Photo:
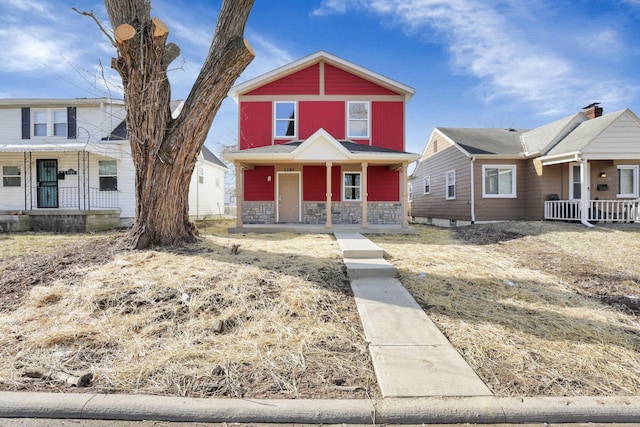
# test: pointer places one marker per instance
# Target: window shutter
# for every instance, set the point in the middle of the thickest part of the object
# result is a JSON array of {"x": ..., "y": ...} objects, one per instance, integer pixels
[
  {"x": 26, "y": 123},
  {"x": 71, "y": 122}
]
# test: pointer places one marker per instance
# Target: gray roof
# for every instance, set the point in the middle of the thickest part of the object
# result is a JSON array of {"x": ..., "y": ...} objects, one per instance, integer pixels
[
  {"x": 212, "y": 158},
  {"x": 586, "y": 132},
  {"x": 540, "y": 139},
  {"x": 290, "y": 146},
  {"x": 486, "y": 141}
]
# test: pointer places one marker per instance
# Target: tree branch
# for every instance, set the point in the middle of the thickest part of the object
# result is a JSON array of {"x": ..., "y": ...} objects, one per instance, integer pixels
[{"x": 97, "y": 21}]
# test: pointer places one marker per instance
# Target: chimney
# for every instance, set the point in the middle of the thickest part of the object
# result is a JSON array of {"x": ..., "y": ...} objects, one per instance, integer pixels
[{"x": 592, "y": 110}]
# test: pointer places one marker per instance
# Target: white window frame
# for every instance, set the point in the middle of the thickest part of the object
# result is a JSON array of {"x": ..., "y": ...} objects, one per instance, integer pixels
[
  {"x": 514, "y": 186},
  {"x": 450, "y": 180},
  {"x": 344, "y": 186},
  {"x": 5, "y": 175},
  {"x": 426, "y": 185},
  {"x": 100, "y": 175},
  {"x": 49, "y": 122},
  {"x": 410, "y": 190},
  {"x": 217, "y": 183},
  {"x": 200, "y": 175},
  {"x": 368, "y": 120},
  {"x": 572, "y": 195},
  {"x": 276, "y": 120},
  {"x": 634, "y": 169}
]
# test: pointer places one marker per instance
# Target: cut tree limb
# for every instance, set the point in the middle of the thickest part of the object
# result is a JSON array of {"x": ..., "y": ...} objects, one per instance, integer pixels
[{"x": 82, "y": 380}]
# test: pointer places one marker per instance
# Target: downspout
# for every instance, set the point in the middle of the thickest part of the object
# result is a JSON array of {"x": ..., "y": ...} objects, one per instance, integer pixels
[
  {"x": 473, "y": 193},
  {"x": 585, "y": 195}
]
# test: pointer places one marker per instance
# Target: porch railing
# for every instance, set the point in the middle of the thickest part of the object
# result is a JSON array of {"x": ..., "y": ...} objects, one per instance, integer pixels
[
  {"x": 599, "y": 210},
  {"x": 73, "y": 198}
]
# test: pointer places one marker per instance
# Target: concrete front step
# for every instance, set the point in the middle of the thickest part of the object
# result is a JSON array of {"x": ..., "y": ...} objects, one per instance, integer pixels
[
  {"x": 361, "y": 268},
  {"x": 355, "y": 245}
]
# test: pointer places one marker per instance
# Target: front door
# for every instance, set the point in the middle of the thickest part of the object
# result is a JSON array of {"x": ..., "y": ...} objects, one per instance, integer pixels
[
  {"x": 289, "y": 197},
  {"x": 47, "y": 176}
]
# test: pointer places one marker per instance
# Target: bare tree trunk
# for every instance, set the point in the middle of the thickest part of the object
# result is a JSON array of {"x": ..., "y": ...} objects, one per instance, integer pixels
[{"x": 164, "y": 150}]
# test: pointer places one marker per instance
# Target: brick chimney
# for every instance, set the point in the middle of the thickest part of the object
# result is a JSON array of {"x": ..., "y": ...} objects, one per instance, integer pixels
[{"x": 592, "y": 110}]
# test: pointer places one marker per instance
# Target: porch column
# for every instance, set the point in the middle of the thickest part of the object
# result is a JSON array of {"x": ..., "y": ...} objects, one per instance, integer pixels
[
  {"x": 329, "y": 194},
  {"x": 404, "y": 195},
  {"x": 364, "y": 195},
  {"x": 585, "y": 194},
  {"x": 239, "y": 193}
]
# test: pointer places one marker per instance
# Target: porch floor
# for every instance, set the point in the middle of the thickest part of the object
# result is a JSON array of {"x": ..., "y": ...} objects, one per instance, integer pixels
[{"x": 321, "y": 229}]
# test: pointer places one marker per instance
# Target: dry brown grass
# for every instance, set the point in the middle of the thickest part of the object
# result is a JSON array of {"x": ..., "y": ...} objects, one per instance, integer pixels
[
  {"x": 535, "y": 308},
  {"x": 275, "y": 320}
]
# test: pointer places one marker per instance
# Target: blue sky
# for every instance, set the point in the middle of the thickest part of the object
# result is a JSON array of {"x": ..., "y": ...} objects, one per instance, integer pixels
[{"x": 473, "y": 63}]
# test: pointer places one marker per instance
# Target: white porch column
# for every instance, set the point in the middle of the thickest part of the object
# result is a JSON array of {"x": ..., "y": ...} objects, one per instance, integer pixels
[
  {"x": 364, "y": 195},
  {"x": 329, "y": 195},
  {"x": 585, "y": 193},
  {"x": 404, "y": 195},
  {"x": 239, "y": 193}
]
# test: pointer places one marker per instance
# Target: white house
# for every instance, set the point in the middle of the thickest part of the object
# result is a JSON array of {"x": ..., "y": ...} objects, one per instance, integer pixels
[{"x": 66, "y": 166}]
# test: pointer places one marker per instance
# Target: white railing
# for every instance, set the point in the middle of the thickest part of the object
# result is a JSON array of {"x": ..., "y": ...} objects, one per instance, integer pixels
[
  {"x": 70, "y": 198},
  {"x": 599, "y": 210}
]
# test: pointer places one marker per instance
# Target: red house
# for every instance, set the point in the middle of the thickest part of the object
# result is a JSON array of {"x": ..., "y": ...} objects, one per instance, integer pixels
[{"x": 321, "y": 141}]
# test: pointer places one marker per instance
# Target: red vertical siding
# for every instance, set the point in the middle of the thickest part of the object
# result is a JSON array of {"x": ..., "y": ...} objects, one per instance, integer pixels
[
  {"x": 387, "y": 121},
  {"x": 336, "y": 183},
  {"x": 383, "y": 184},
  {"x": 255, "y": 124},
  {"x": 257, "y": 187},
  {"x": 329, "y": 115},
  {"x": 303, "y": 82},
  {"x": 340, "y": 82},
  {"x": 314, "y": 187}
]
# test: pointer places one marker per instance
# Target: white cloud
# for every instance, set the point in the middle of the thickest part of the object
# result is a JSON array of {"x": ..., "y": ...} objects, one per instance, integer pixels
[
  {"x": 490, "y": 41},
  {"x": 31, "y": 6},
  {"x": 33, "y": 48}
]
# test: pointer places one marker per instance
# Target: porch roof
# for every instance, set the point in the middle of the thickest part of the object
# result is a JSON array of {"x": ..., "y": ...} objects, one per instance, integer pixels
[
  {"x": 320, "y": 147},
  {"x": 103, "y": 149}
]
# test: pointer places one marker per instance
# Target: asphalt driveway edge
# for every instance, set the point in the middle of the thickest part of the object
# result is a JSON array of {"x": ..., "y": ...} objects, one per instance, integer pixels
[{"x": 446, "y": 410}]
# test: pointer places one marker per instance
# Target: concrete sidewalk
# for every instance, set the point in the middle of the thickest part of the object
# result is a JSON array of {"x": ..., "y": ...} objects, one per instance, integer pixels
[{"x": 411, "y": 357}]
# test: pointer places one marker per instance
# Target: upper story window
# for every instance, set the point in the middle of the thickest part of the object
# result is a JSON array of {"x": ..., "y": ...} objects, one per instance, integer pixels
[
  {"x": 499, "y": 181},
  {"x": 50, "y": 122},
  {"x": 451, "y": 185},
  {"x": 358, "y": 119},
  {"x": 627, "y": 181},
  {"x": 200, "y": 175},
  {"x": 11, "y": 176},
  {"x": 285, "y": 119},
  {"x": 427, "y": 184}
]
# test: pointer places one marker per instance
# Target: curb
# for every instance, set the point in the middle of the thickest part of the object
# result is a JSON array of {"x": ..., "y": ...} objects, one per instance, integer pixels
[{"x": 446, "y": 410}]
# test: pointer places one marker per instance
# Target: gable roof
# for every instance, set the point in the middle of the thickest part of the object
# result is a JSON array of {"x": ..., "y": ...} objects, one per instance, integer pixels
[
  {"x": 208, "y": 156},
  {"x": 319, "y": 56},
  {"x": 584, "y": 134},
  {"x": 485, "y": 141},
  {"x": 542, "y": 138}
]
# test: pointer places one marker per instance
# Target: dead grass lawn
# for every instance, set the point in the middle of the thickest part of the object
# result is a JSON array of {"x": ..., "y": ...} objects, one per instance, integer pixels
[{"x": 537, "y": 309}]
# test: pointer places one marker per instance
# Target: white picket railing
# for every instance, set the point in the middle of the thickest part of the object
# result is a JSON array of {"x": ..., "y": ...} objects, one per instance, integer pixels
[{"x": 599, "y": 210}]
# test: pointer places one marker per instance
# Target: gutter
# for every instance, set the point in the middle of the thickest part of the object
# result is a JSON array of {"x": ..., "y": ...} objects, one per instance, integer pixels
[{"x": 473, "y": 193}]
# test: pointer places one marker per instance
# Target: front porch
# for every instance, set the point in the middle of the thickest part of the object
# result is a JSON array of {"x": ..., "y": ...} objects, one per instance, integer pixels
[{"x": 618, "y": 211}]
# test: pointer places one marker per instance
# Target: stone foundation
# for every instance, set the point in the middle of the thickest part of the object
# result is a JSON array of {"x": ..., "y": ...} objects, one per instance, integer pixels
[
  {"x": 61, "y": 221},
  {"x": 258, "y": 213},
  {"x": 384, "y": 213}
]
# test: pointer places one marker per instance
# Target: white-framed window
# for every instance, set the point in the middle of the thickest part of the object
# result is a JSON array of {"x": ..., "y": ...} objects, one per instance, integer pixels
[
  {"x": 200, "y": 175},
  {"x": 108, "y": 175},
  {"x": 627, "y": 181},
  {"x": 499, "y": 181},
  {"x": 285, "y": 119},
  {"x": 427, "y": 184},
  {"x": 40, "y": 123},
  {"x": 11, "y": 176},
  {"x": 60, "y": 122},
  {"x": 575, "y": 181},
  {"x": 351, "y": 186},
  {"x": 217, "y": 183},
  {"x": 410, "y": 190},
  {"x": 358, "y": 123},
  {"x": 49, "y": 122},
  {"x": 450, "y": 182}
]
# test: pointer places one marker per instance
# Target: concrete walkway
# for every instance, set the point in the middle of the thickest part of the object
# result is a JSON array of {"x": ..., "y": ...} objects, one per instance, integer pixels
[{"x": 411, "y": 357}]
